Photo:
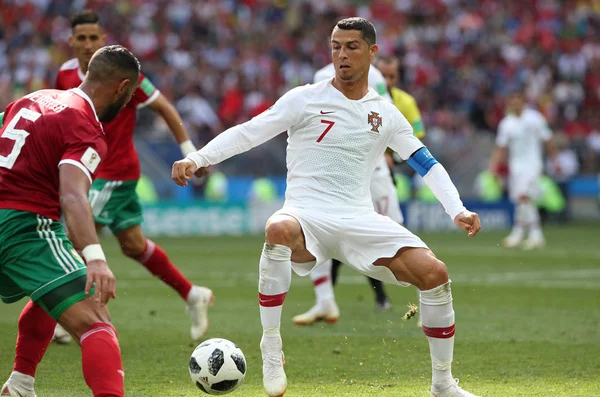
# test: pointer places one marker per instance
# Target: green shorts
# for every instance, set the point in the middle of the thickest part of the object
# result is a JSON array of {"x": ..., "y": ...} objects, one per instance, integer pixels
[
  {"x": 115, "y": 204},
  {"x": 37, "y": 260}
]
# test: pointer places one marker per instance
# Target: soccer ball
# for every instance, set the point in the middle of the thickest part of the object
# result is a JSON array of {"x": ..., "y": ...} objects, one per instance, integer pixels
[{"x": 217, "y": 366}]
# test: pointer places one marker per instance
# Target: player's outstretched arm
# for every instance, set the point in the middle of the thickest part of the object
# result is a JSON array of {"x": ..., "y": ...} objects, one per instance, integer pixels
[
  {"x": 167, "y": 111},
  {"x": 243, "y": 137},
  {"x": 74, "y": 187},
  {"x": 438, "y": 180}
]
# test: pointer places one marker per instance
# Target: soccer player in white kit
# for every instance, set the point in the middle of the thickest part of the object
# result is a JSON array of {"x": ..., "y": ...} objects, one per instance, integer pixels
[
  {"x": 385, "y": 202},
  {"x": 522, "y": 133},
  {"x": 337, "y": 132}
]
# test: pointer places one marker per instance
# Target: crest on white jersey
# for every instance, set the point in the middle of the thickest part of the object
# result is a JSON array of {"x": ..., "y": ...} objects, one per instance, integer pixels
[
  {"x": 90, "y": 159},
  {"x": 375, "y": 121}
]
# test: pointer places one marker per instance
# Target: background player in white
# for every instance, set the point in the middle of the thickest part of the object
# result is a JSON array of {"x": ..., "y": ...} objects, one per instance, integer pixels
[
  {"x": 385, "y": 201},
  {"x": 521, "y": 134},
  {"x": 337, "y": 132}
]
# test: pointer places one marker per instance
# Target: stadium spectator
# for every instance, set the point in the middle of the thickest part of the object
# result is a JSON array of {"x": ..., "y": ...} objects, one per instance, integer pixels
[{"x": 460, "y": 58}]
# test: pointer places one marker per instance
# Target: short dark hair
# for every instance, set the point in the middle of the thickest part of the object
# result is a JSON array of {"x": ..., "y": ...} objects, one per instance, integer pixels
[
  {"x": 113, "y": 62},
  {"x": 84, "y": 17},
  {"x": 366, "y": 28}
]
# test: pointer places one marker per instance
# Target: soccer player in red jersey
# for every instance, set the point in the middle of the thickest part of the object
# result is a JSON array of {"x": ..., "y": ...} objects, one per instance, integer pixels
[
  {"x": 113, "y": 198},
  {"x": 51, "y": 146}
]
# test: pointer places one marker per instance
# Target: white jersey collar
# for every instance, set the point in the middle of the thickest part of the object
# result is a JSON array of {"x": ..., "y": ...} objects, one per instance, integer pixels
[{"x": 371, "y": 94}]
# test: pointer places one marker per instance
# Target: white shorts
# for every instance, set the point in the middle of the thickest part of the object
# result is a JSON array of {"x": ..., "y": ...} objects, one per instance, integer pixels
[
  {"x": 355, "y": 239},
  {"x": 385, "y": 199},
  {"x": 524, "y": 184}
]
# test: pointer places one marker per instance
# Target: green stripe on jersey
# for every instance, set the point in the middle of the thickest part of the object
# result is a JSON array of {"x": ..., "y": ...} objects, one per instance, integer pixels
[
  {"x": 381, "y": 88},
  {"x": 147, "y": 87},
  {"x": 1, "y": 118}
]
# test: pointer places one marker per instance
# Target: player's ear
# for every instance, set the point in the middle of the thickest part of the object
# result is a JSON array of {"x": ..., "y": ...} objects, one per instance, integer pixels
[
  {"x": 373, "y": 51},
  {"x": 123, "y": 86},
  {"x": 71, "y": 41}
]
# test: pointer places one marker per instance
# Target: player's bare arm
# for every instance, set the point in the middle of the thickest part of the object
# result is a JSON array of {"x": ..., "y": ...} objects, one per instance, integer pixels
[
  {"x": 167, "y": 111},
  {"x": 498, "y": 157},
  {"x": 74, "y": 187}
]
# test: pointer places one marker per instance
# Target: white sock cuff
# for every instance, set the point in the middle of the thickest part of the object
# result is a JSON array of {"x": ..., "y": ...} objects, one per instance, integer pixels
[
  {"x": 277, "y": 252},
  {"x": 22, "y": 379},
  {"x": 440, "y": 295}
]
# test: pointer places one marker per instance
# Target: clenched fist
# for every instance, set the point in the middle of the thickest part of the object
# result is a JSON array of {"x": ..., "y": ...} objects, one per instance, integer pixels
[
  {"x": 469, "y": 222},
  {"x": 183, "y": 170}
]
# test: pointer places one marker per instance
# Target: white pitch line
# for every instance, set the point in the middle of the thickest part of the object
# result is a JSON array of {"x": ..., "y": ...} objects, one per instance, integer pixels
[{"x": 562, "y": 278}]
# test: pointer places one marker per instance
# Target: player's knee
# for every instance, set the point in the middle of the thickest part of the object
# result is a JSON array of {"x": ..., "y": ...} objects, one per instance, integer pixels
[
  {"x": 80, "y": 317},
  {"x": 436, "y": 275},
  {"x": 281, "y": 231},
  {"x": 132, "y": 245}
]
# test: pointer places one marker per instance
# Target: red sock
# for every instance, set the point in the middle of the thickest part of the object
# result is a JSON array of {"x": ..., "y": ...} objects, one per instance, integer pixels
[
  {"x": 36, "y": 329},
  {"x": 157, "y": 262},
  {"x": 101, "y": 361}
]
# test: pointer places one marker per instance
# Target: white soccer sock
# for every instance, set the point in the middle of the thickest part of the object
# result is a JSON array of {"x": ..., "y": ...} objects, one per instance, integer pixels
[
  {"x": 321, "y": 279},
  {"x": 22, "y": 380},
  {"x": 273, "y": 284},
  {"x": 437, "y": 316},
  {"x": 521, "y": 220},
  {"x": 533, "y": 219}
]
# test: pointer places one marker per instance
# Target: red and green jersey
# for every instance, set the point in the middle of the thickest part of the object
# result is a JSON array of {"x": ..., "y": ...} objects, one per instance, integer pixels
[
  {"x": 121, "y": 161},
  {"x": 41, "y": 132}
]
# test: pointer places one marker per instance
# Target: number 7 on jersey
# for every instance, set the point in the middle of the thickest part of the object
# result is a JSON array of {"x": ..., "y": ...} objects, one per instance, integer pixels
[{"x": 329, "y": 125}]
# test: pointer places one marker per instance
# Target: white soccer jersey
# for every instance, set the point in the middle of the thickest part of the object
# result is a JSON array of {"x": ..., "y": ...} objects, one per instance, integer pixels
[
  {"x": 523, "y": 136},
  {"x": 334, "y": 144},
  {"x": 376, "y": 82}
]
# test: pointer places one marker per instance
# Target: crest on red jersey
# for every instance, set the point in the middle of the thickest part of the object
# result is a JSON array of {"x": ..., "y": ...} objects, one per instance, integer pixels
[{"x": 375, "y": 121}]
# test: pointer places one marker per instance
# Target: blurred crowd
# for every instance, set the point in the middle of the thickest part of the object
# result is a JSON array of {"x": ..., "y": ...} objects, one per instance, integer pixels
[{"x": 224, "y": 61}]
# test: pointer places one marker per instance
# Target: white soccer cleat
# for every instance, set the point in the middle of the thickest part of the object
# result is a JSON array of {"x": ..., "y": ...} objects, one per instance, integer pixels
[
  {"x": 18, "y": 385},
  {"x": 451, "y": 389},
  {"x": 511, "y": 242},
  {"x": 198, "y": 301},
  {"x": 534, "y": 242},
  {"x": 61, "y": 336},
  {"x": 274, "y": 379},
  {"x": 327, "y": 311}
]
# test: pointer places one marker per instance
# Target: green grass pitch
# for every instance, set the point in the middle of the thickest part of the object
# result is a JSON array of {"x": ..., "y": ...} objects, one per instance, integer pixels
[{"x": 528, "y": 323}]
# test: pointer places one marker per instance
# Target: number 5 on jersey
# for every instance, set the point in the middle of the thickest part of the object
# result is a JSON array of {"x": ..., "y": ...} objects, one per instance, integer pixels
[
  {"x": 17, "y": 135},
  {"x": 329, "y": 125}
]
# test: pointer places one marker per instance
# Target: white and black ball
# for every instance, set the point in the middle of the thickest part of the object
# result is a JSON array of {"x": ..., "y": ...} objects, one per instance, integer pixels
[{"x": 217, "y": 366}]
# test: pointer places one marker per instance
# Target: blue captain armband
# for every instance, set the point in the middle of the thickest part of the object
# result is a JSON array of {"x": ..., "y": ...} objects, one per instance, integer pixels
[{"x": 422, "y": 161}]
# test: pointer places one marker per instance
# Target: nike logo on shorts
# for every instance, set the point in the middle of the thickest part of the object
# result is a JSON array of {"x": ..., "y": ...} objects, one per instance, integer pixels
[{"x": 322, "y": 112}]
